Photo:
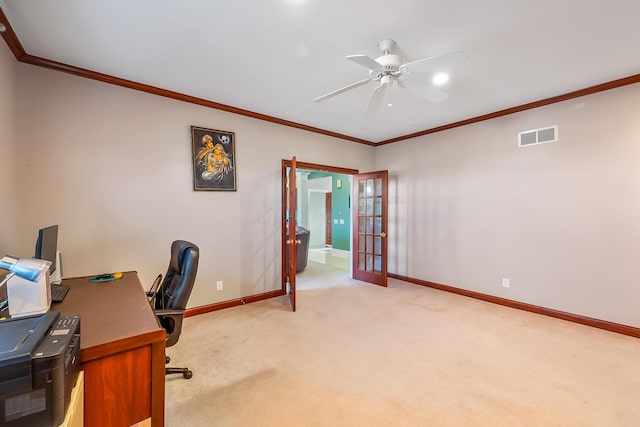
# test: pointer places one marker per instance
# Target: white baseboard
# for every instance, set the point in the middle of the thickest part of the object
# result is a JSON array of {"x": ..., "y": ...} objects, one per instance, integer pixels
[{"x": 340, "y": 253}]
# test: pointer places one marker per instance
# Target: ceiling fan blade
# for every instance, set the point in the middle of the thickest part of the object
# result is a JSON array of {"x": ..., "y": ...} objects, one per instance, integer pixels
[
  {"x": 444, "y": 62},
  {"x": 378, "y": 95},
  {"x": 365, "y": 61},
  {"x": 343, "y": 89},
  {"x": 427, "y": 91}
]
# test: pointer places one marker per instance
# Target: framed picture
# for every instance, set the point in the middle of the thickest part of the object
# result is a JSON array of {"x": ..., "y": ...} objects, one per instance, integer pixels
[{"x": 214, "y": 159}]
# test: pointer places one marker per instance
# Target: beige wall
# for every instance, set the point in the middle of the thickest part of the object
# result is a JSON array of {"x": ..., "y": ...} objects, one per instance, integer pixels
[
  {"x": 112, "y": 167},
  {"x": 8, "y": 208},
  {"x": 560, "y": 220}
]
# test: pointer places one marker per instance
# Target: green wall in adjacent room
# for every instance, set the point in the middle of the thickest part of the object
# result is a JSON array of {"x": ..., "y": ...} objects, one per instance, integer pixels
[{"x": 340, "y": 208}]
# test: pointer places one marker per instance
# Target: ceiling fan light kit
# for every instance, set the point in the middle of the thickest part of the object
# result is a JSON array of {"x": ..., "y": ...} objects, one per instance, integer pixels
[{"x": 390, "y": 68}]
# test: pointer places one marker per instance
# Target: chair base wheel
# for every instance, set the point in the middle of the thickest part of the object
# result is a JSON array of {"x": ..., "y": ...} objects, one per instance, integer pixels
[{"x": 186, "y": 372}]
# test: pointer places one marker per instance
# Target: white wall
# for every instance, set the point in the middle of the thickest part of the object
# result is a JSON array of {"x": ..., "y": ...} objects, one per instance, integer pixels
[
  {"x": 8, "y": 207},
  {"x": 317, "y": 219},
  {"x": 560, "y": 220},
  {"x": 323, "y": 184},
  {"x": 112, "y": 167},
  {"x": 318, "y": 188}
]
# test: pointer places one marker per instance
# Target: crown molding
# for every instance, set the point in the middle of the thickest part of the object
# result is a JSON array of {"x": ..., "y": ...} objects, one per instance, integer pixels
[
  {"x": 575, "y": 94},
  {"x": 11, "y": 39},
  {"x": 106, "y": 78},
  {"x": 14, "y": 44}
]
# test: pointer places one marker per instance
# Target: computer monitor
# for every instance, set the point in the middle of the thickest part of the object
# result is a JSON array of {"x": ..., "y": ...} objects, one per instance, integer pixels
[{"x": 47, "y": 245}]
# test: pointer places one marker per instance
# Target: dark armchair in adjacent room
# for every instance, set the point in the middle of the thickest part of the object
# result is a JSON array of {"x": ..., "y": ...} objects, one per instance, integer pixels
[
  {"x": 302, "y": 249},
  {"x": 169, "y": 296}
]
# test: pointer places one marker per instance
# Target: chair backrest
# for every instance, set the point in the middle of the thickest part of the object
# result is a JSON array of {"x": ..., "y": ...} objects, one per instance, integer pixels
[
  {"x": 176, "y": 287},
  {"x": 178, "y": 282}
]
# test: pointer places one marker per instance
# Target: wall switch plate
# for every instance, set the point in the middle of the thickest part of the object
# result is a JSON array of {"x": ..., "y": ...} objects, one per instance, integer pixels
[
  {"x": 219, "y": 285},
  {"x": 506, "y": 283}
]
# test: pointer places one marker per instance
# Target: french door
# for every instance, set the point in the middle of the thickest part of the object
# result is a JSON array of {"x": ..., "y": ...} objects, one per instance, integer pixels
[
  {"x": 369, "y": 206},
  {"x": 370, "y": 227},
  {"x": 289, "y": 241}
]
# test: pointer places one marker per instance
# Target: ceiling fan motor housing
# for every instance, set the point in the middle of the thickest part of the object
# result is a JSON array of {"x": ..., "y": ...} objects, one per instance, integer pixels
[
  {"x": 390, "y": 65},
  {"x": 390, "y": 62}
]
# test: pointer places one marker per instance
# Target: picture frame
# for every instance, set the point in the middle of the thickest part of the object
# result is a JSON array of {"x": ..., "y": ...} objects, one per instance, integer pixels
[{"x": 214, "y": 159}]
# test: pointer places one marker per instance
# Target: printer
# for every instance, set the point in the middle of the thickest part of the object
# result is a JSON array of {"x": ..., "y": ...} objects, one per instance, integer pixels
[{"x": 39, "y": 361}]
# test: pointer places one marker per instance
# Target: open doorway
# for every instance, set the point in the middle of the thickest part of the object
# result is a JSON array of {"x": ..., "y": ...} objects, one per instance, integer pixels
[
  {"x": 367, "y": 229},
  {"x": 323, "y": 225},
  {"x": 324, "y": 212}
]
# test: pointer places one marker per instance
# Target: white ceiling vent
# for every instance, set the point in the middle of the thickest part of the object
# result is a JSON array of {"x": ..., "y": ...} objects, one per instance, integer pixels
[{"x": 538, "y": 136}]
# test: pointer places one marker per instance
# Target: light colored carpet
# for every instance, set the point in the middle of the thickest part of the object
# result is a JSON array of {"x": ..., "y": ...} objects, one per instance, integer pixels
[{"x": 356, "y": 354}]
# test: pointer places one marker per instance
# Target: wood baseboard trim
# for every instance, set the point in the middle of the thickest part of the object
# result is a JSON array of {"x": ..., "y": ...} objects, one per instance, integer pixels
[
  {"x": 576, "y": 318},
  {"x": 232, "y": 303}
]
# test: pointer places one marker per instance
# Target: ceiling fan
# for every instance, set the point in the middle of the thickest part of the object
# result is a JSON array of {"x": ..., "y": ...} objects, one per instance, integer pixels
[{"x": 390, "y": 68}]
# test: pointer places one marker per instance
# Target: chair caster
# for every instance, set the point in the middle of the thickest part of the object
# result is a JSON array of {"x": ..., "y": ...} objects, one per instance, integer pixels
[
  {"x": 167, "y": 359},
  {"x": 187, "y": 374}
]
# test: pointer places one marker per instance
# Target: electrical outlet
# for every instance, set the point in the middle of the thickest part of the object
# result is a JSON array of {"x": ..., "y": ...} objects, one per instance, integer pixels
[
  {"x": 219, "y": 285},
  {"x": 506, "y": 283}
]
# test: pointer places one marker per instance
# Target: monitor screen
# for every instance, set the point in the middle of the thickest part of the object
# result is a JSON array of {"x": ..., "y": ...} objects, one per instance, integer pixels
[{"x": 47, "y": 245}]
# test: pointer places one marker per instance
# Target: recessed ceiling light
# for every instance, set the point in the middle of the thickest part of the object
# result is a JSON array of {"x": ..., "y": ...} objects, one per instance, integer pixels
[
  {"x": 440, "y": 78},
  {"x": 389, "y": 105}
]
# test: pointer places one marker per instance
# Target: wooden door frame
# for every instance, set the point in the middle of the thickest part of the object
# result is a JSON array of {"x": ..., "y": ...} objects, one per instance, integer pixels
[{"x": 308, "y": 166}]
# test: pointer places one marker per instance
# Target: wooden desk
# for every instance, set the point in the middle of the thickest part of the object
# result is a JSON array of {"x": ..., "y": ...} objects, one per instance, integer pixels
[{"x": 121, "y": 351}]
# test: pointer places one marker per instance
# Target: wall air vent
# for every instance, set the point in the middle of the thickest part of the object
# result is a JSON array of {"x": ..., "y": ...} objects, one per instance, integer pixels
[{"x": 538, "y": 136}]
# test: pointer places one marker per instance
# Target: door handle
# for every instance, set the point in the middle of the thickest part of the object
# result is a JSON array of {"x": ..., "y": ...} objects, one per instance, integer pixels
[{"x": 383, "y": 234}]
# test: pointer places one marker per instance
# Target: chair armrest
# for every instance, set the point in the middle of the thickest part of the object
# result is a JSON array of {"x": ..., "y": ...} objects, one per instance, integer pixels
[
  {"x": 168, "y": 312},
  {"x": 173, "y": 327}
]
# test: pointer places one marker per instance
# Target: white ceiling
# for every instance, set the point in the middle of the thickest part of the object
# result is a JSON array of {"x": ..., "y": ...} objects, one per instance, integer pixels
[{"x": 275, "y": 56}]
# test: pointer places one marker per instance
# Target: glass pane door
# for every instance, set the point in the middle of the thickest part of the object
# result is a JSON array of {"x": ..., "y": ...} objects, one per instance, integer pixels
[{"x": 370, "y": 248}]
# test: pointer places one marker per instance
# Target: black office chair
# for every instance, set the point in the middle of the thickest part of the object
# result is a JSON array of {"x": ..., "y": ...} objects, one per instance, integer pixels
[{"x": 169, "y": 297}]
